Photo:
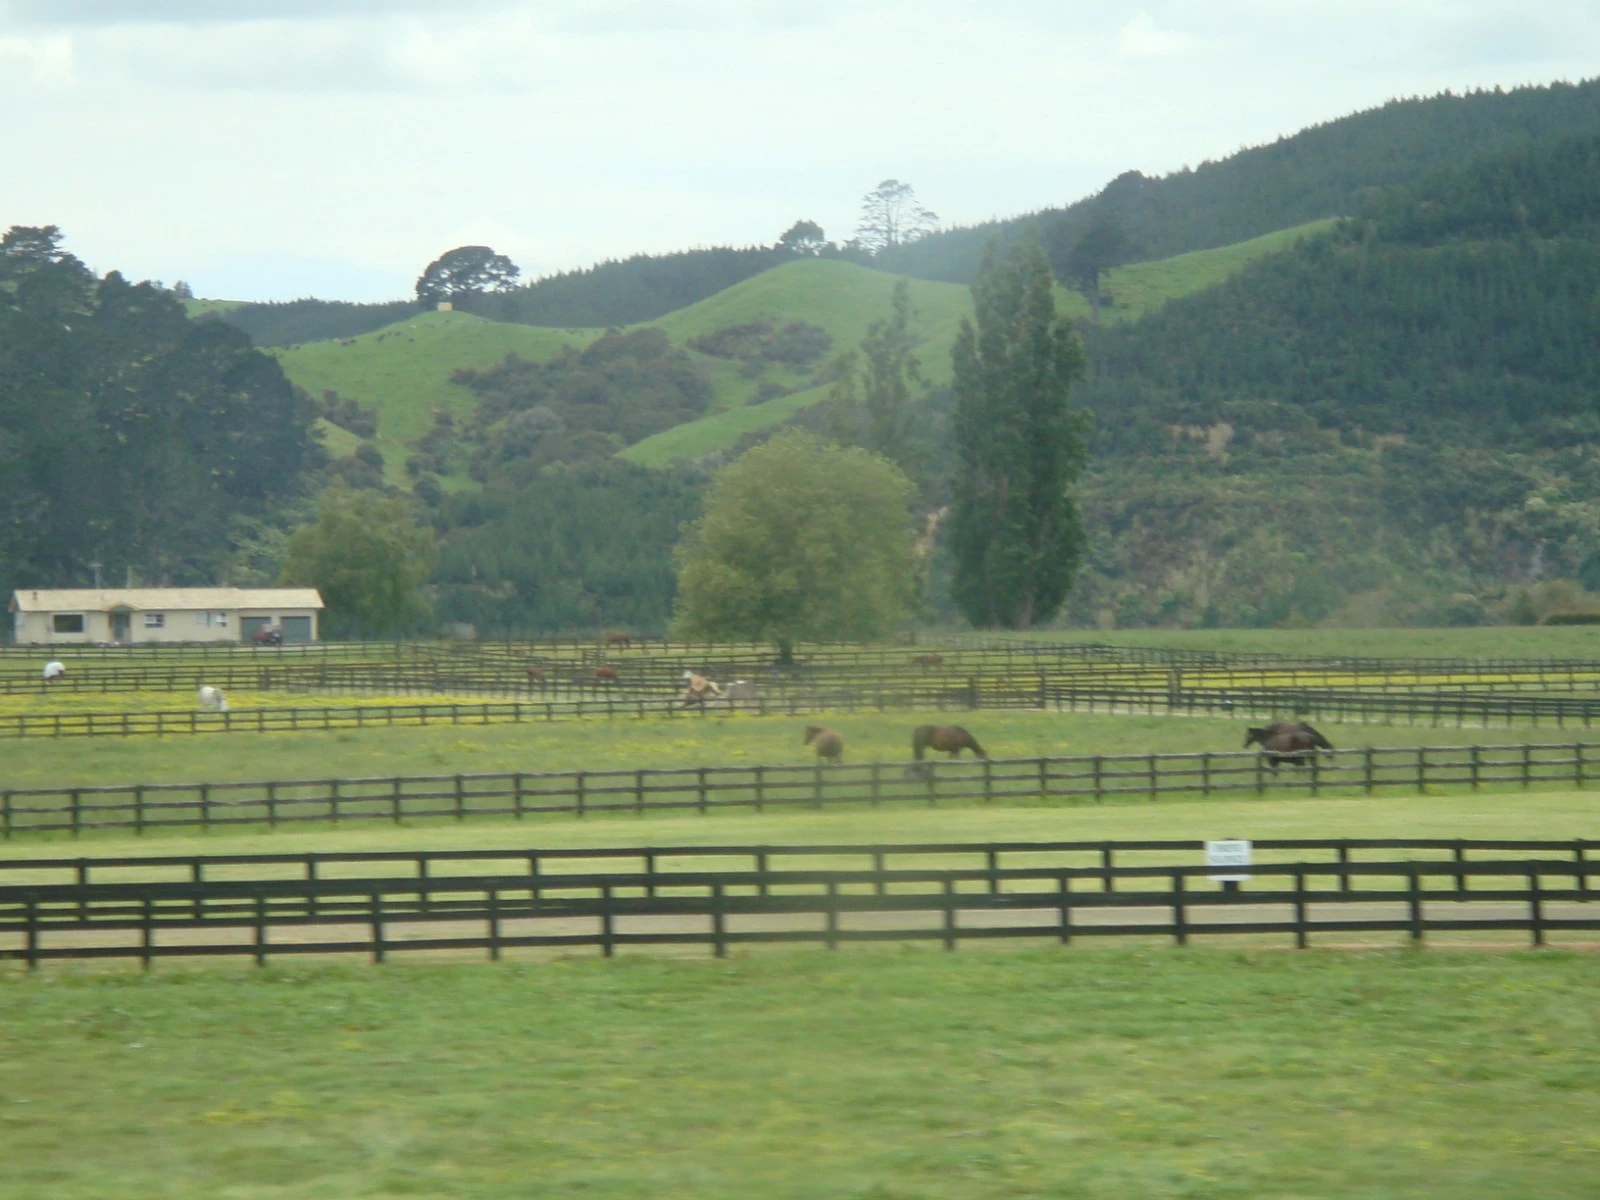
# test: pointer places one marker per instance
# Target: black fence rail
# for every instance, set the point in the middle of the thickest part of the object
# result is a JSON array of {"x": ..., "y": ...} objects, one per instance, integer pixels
[
  {"x": 1011, "y": 891},
  {"x": 519, "y": 794},
  {"x": 617, "y": 701}
]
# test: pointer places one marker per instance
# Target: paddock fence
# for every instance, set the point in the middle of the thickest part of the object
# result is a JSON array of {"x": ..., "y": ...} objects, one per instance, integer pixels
[
  {"x": 1040, "y": 693},
  {"x": 1087, "y": 779},
  {"x": 262, "y": 907}
]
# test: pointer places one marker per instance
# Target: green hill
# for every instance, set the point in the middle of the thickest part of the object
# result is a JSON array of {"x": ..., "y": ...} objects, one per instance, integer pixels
[
  {"x": 404, "y": 370},
  {"x": 1335, "y": 168},
  {"x": 844, "y": 299}
]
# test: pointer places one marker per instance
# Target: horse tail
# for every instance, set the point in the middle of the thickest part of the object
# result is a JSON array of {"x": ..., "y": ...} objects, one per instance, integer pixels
[{"x": 1317, "y": 740}]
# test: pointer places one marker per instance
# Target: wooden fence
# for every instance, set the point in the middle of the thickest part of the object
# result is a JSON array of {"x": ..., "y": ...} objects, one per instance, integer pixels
[
  {"x": 520, "y": 794},
  {"x": 1017, "y": 693},
  {"x": 262, "y": 906}
]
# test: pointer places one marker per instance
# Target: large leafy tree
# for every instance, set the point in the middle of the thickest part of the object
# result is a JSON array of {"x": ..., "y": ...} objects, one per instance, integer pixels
[
  {"x": 368, "y": 558},
  {"x": 801, "y": 540},
  {"x": 1081, "y": 262},
  {"x": 129, "y": 434},
  {"x": 465, "y": 272},
  {"x": 1014, "y": 525}
]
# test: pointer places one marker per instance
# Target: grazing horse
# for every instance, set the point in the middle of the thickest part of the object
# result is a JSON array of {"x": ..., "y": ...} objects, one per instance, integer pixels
[
  {"x": 1284, "y": 741},
  {"x": 621, "y": 639},
  {"x": 830, "y": 746},
  {"x": 698, "y": 690},
  {"x": 927, "y": 660},
  {"x": 605, "y": 674},
  {"x": 212, "y": 699},
  {"x": 536, "y": 675},
  {"x": 950, "y": 739}
]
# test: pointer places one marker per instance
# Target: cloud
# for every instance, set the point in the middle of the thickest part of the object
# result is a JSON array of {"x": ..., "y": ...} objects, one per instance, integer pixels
[{"x": 1140, "y": 38}]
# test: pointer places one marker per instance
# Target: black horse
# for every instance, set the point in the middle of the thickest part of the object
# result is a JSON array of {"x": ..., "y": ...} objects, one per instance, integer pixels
[{"x": 1283, "y": 741}]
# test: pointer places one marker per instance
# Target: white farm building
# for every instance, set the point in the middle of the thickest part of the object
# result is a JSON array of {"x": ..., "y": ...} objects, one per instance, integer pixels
[{"x": 77, "y": 616}]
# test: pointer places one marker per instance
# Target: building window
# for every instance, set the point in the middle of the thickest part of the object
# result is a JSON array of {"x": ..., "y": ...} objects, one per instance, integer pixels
[
  {"x": 212, "y": 620},
  {"x": 67, "y": 623},
  {"x": 155, "y": 620}
]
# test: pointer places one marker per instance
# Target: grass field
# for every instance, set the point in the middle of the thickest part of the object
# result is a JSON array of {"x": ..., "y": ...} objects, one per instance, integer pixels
[
  {"x": 1101, "y": 1073},
  {"x": 629, "y": 742}
]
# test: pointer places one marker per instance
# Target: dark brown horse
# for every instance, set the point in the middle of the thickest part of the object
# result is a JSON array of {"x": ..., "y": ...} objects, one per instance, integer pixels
[
  {"x": 620, "y": 639},
  {"x": 830, "y": 746},
  {"x": 927, "y": 660},
  {"x": 1283, "y": 741},
  {"x": 949, "y": 739}
]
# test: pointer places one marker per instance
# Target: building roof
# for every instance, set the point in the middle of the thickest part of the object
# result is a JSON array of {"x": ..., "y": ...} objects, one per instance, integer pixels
[{"x": 159, "y": 599}]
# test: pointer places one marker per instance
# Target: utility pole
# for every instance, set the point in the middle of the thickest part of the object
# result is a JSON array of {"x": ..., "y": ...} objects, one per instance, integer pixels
[{"x": 95, "y": 567}]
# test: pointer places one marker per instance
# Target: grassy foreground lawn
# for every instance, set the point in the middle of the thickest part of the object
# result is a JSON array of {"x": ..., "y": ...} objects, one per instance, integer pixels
[
  {"x": 1101, "y": 1073},
  {"x": 628, "y": 742}
]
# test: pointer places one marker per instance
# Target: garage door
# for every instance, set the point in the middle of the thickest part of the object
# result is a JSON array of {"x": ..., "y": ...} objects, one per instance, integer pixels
[
  {"x": 296, "y": 630},
  {"x": 249, "y": 625}
]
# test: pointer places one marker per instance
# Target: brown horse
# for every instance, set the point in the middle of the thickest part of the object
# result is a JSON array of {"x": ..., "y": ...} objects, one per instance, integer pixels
[
  {"x": 621, "y": 639},
  {"x": 605, "y": 674},
  {"x": 948, "y": 739},
  {"x": 535, "y": 674},
  {"x": 830, "y": 746},
  {"x": 1283, "y": 741},
  {"x": 927, "y": 660}
]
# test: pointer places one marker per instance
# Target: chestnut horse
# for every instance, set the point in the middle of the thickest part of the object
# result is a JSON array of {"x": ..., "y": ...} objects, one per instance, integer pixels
[{"x": 949, "y": 739}]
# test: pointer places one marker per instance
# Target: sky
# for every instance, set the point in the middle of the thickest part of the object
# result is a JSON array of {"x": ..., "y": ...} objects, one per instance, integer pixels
[{"x": 271, "y": 149}]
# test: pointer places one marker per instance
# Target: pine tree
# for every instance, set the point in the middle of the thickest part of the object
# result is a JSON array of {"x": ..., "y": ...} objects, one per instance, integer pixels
[{"x": 1014, "y": 525}]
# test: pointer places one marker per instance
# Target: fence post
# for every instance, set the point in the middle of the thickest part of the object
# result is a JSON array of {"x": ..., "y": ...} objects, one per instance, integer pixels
[
  {"x": 77, "y": 812},
  {"x": 1577, "y": 764},
  {"x": 1064, "y": 891},
  {"x": 461, "y": 799},
  {"x": 700, "y": 790},
  {"x": 949, "y": 914},
  {"x": 1205, "y": 773},
  {"x": 261, "y": 929},
  {"x": 833, "y": 914},
  {"x": 1536, "y": 907},
  {"x": 719, "y": 945},
  {"x": 272, "y": 806},
  {"x": 1105, "y": 863},
  {"x": 1300, "y": 910},
  {"x": 146, "y": 935},
  {"x": 1422, "y": 771},
  {"x": 31, "y": 948},
  {"x": 494, "y": 924},
  {"x": 1180, "y": 925},
  {"x": 1344, "y": 862},
  {"x": 1477, "y": 762},
  {"x": 5, "y": 813},
  {"x": 1414, "y": 903},
  {"x": 1527, "y": 765},
  {"x": 1099, "y": 791},
  {"x": 378, "y": 948}
]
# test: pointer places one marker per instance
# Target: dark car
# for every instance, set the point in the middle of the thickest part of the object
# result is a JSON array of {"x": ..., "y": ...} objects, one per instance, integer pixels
[{"x": 267, "y": 635}]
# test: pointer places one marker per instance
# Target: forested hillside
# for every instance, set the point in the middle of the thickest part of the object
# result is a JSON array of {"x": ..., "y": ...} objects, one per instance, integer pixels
[
  {"x": 130, "y": 436},
  {"x": 1328, "y": 170},
  {"x": 1397, "y": 419}
]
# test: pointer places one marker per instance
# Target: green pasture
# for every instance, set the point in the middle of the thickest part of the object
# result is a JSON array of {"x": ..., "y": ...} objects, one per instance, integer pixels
[
  {"x": 1087, "y": 1073},
  {"x": 627, "y": 743},
  {"x": 1141, "y": 288}
]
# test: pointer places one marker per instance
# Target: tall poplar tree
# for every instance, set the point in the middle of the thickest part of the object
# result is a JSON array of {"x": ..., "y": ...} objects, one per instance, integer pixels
[{"x": 1014, "y": 525}]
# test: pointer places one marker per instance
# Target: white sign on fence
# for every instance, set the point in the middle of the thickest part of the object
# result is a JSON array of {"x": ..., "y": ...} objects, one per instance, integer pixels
[{"x": 1231, "y": 852}]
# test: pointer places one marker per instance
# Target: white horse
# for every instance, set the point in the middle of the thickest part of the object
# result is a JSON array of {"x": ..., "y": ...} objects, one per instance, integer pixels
[{"x": 212, "y": 699}]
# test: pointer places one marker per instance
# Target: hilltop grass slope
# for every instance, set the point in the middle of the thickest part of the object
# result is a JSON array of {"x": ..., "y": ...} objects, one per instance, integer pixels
[
  {"x": 845, "y": 299},
  {"x": 404, "y": 370}
]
